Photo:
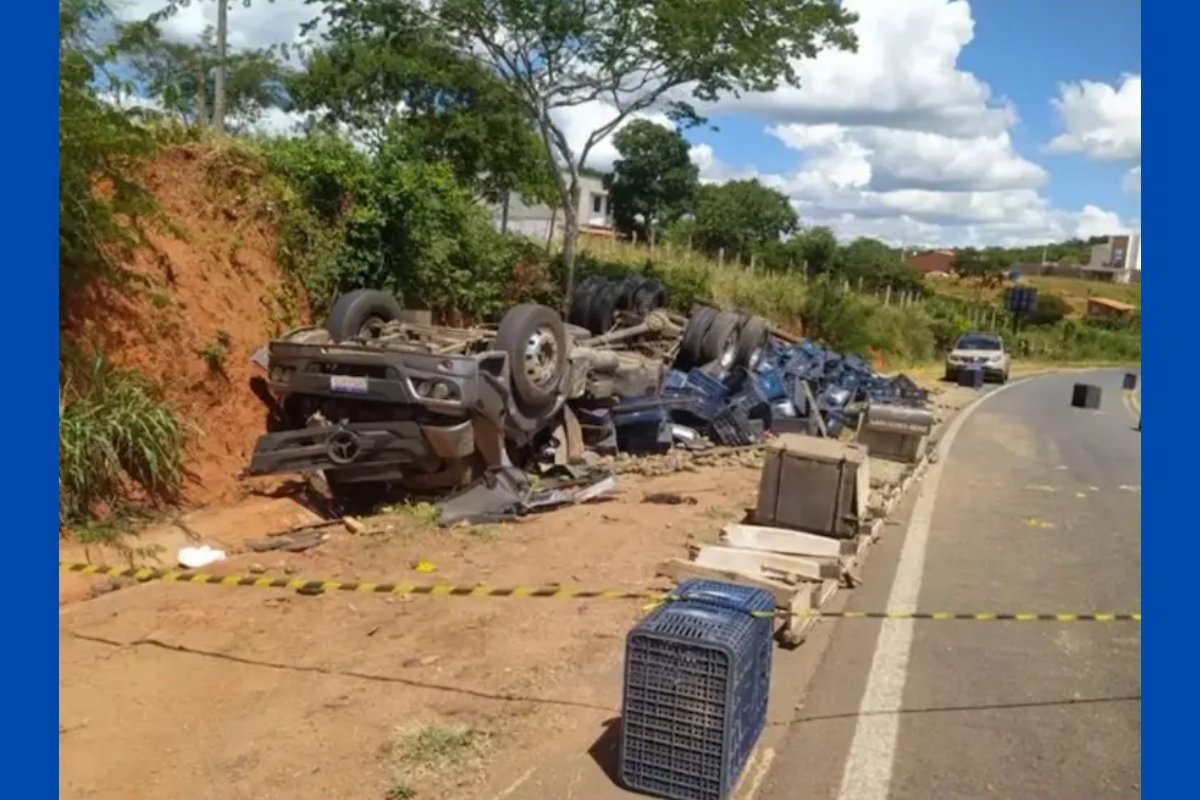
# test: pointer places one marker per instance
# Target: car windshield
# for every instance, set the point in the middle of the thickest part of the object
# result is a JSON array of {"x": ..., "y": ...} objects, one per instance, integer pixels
[{"x": 977, "y": 343}]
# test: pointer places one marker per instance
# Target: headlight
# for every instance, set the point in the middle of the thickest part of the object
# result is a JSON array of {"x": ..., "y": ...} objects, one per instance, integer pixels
[{"x": 996, "y": 359}]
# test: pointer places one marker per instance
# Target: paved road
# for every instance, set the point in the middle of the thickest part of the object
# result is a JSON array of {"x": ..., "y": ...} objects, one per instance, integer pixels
[{"x": 1037, "y": 509}]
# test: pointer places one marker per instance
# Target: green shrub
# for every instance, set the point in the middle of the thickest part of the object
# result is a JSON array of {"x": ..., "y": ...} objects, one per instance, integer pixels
[
  {"x": 115, "y": 435},
  {"x": 837, "y": 319},
  {"x": 1049, "y": 310},
  {"x": 906, "y": 334}
]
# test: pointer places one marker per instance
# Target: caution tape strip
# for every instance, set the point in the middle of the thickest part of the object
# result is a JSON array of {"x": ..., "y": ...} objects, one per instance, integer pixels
[{"x": 309, "y": 586}]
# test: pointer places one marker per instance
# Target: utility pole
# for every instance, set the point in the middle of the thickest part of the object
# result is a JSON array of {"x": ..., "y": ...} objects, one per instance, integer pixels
[{"x": 219, "y": 76}]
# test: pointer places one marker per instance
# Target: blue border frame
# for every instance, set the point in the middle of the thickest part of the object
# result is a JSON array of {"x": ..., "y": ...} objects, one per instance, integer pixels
[
  {"x": 29, "y": 209},
  {"x": 1168, "y": 672}
]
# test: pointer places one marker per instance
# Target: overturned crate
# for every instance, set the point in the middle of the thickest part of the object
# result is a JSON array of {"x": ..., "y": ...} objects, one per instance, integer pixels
[
  {"x": 805, "y": 538},
  {"x": 895, "y": 432}
]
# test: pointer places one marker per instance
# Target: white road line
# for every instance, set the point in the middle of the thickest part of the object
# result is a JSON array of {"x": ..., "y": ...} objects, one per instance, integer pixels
[{"x": 868, "y": 771}]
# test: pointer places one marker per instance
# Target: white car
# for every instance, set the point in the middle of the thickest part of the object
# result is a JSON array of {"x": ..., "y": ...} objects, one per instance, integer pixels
[{"x": 983, "y": 350}]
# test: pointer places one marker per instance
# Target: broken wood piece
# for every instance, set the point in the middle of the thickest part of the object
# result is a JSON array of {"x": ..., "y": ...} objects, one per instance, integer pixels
[
  {"x": 758, "y": 561},
  {"x": 679, "y": 570},
  {"x": 800, "y": 621},
  {"x": 783, "y": 540},
  {"x": 353, "y": 525}
]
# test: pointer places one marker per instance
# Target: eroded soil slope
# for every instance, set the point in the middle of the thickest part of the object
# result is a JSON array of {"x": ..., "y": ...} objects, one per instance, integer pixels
[{"x": 206, "y": 295}]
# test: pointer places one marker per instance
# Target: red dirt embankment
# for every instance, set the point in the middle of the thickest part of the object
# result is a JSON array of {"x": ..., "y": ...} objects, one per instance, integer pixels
[{"x": 206, "y": 295}]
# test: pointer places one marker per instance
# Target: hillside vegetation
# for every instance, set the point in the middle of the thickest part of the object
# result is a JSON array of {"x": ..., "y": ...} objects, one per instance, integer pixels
[{"x": 183, "y": 248}]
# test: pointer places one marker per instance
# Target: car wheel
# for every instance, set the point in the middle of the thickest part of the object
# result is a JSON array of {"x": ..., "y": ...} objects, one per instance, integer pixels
[
  {"x": 355, "y": 313},
  {"x": 691, "y": 347},
  {"x": 950, "y": 375},
  {"x": 721, "y": 341},
  {"x": 752, "y": 343},
  {"x": 535, "y": 340}
]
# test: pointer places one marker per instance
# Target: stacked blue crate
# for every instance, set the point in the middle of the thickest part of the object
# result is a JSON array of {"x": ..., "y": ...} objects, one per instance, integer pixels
[{"x": 697, "y": 675}]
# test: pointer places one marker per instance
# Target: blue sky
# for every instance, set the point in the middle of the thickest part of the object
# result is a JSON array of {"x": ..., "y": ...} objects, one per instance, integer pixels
[{"x": 956, "y": 122}]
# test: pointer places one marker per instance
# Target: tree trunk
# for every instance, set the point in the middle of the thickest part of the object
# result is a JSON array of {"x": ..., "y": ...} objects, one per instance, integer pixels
[
  {"x": 570, "y": 235},
  {"x": 218, "y": 118},
  {"x": 504, "y": 212},
  {"x": 550, "y": 233}
]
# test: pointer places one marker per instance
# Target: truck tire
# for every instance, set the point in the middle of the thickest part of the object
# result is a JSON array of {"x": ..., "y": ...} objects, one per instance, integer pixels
[
  {"x": 721, "y": 340},
  {"x": 603, "y": 307},
  {"x": 691, "y": 346},
  {"x": 649, "y": 296},
  {"x": 752, "y": 343},
  {"x": 535, "y": 340},
  {"x": 581, "y": 300},
  {"x": 355, "y": 311}
]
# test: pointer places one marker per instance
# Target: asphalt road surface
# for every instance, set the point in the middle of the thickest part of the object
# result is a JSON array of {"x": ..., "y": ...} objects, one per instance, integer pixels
[{"x": 1036, "y": 509}]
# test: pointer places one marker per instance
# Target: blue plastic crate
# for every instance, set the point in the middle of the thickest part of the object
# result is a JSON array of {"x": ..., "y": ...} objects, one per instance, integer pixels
[{"x": 696, "y": 679}]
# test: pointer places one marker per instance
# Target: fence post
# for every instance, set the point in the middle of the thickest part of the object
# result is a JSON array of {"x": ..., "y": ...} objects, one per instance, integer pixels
[
  {"x": 753, "y": 263},
  {"x": 887, "y": 296},
  {"x": 721, "y": 257},
  {"x": 846, "y": 286},
  {"x": 860, "y": 277}
]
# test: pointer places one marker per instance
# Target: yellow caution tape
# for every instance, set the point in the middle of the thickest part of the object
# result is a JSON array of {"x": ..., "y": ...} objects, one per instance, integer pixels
[{"x": 310, "y": 586}]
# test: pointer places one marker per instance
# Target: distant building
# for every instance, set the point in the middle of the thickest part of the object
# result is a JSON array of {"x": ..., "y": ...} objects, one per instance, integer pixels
[
  {"x": 540, "y": 222},
  {"x": 1118, "y": 260},
  {"x": 933, "y": 261}
]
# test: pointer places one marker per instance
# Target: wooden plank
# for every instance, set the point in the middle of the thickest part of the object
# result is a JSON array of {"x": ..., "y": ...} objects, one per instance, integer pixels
[
  {"x": 756, "y": 561},
  {"x": 783, "y": 540},
  {"x": 679, "y": 570}
]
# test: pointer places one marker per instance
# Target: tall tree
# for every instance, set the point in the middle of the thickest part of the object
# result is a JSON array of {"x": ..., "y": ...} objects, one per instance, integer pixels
[
  {"x": 739, "y": 216},
  {"x": 630, "y": 55},
  {"x": 445, "y": 106},
  {"x": 181, "y": 77},
  {"x": 817, "y": 247},
  {"x": 654, "y": 182},
  {"x": 222, "y": 46}
]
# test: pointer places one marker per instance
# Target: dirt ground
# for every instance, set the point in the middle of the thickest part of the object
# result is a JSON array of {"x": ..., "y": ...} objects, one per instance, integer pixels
[
  {"x": 172, "y": 691},
  {"x": 169, "y": 691}
]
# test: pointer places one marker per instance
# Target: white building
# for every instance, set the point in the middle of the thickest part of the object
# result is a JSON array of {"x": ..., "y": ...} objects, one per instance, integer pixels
[
  {"x": 1119, "y": 259},
  {"x": 595, "y": 213}
]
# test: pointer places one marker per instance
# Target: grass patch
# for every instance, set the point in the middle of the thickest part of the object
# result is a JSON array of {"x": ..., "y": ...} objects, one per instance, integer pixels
[
  {"x": 418, "y": 515},
  {"x": 400, "y": 792},
  {"x": 116, "y": 439},
  {"x": 433, "y": 748},
  {"x": 484, "y": 533}
]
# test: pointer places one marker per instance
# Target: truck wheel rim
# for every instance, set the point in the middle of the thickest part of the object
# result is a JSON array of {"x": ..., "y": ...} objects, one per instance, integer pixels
[{"x": 541, "y": 357}]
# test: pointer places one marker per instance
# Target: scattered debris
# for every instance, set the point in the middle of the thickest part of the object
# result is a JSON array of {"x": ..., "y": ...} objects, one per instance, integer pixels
[
  {"x": 424, "y": 567},
  {"x": 294, "y": 542},
  {"x": 1034, "y": 522},
  {"x": 197, "y": 557},
  {"x": 669, "y": 499},
  {"x": 353, "y": 525}
]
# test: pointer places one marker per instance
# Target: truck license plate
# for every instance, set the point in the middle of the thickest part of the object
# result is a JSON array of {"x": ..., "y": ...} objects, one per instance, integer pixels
[{"x": 351, "y": 384}]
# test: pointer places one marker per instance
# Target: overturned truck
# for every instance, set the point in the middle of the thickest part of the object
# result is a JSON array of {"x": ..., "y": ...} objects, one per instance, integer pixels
[
  {"x": 373, "y": 400},
  {"x": 379, "y": 399}
]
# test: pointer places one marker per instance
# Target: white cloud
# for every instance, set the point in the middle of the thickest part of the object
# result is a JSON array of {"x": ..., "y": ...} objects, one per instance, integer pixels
[
  {"x": 904, "y": 75},
  {"x": 261, "y": 24},
  {"x": 1100, "y": 121},
  {"x": 897, "y": 143},
  {"x": 1132, "y": 182}
]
